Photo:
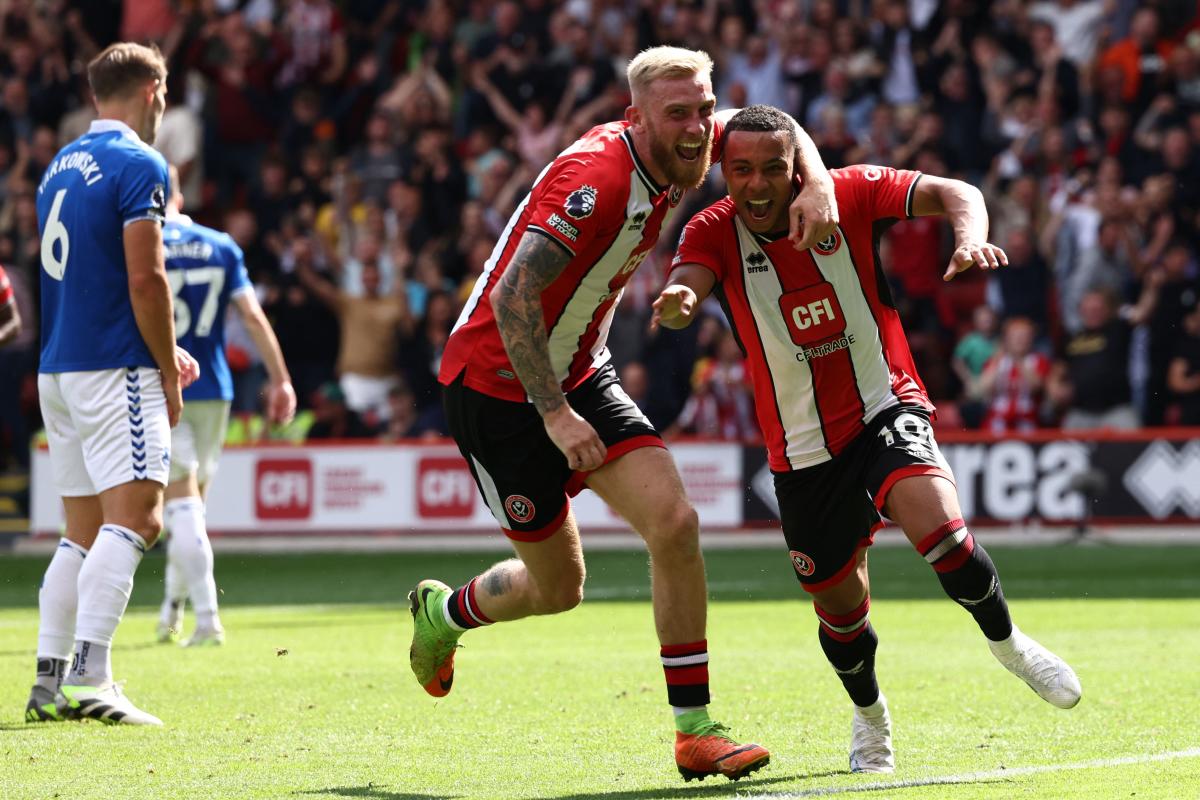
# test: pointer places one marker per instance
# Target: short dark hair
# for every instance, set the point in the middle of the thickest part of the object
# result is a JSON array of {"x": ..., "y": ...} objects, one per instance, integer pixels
[
  {"x": 123, "y": 68},
  {"x": 763, "y": 119}
]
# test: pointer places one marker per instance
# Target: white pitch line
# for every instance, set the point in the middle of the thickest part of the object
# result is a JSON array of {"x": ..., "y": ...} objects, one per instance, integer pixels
[{"x": 973, "y": 777}]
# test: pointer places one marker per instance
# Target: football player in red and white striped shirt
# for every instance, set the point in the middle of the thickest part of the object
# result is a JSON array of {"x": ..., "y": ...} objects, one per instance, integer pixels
[
  {"x": 536, "y": 408},
  {"x": 843, "y": 412}
]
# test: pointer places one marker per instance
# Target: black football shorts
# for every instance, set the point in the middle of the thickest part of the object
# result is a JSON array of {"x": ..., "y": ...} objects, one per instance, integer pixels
[
  {"x": 832, "y": 509},
  {"x": 521, "y": 473}
]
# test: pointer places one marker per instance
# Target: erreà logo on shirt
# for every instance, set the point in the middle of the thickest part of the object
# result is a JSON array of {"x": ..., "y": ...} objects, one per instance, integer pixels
[
  {"x": 813, "y": 313},
  {"x": 756, "y": 262},
  {"x": 581, "y": 202}
]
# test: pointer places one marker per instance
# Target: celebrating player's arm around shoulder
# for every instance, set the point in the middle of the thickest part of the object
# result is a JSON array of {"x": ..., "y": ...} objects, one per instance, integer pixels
[
  {"x": 844, "y": 415},
  {"x": 110, "y": 379}
]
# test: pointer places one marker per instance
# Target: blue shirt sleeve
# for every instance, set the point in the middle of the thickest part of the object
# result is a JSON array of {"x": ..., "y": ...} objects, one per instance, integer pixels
[
  {"x": 239, "y": 278},
  {"x": 142, "y": 188}
]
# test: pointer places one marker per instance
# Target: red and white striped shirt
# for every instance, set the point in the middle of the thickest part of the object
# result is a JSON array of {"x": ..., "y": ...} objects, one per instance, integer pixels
[
  {"x": 6, "y": 290},
  {"x": 598, "y": 201},
  {"x": 1017, "y": 391},
  {"x": 826, "y": 349}
]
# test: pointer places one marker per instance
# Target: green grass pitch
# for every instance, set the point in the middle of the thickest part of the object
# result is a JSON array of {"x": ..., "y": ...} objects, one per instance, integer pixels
[{"x": 312, "y": 696}]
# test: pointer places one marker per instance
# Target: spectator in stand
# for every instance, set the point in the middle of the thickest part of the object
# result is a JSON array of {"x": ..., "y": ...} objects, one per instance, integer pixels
[
  {"x": 421, "y": 354},
  {"x": 308, "y": 330},
  {"x": 359, "y": 121},
  {"x": 181, "y": 141},
  {"x": 1022, "y": 290},
  {"x": 971, "y": 355},
  {"x": 1183, "y": 377},
  {"x": 371, "y": 326},
  {"x": 1077, "y": 25},
  {"x": 405, "y": 419},
  {"x": 1142, "y": 59},
  {"x": 1180, "y": 291},
  {"x": 1092, "y": 381},
  {"x": 317, "y": 43},
  {"x": 377, "y": 162},
  {"x": 1013, "y": 380},
  {"x": 722, "y": 402},
  {"x": 333, "y": 419},
  {"x": 1109, "y": 266},
  {"x": 539, "y": 132},
  {"x": 10, "y": 317},
  {"x": 241, "y": 65}
]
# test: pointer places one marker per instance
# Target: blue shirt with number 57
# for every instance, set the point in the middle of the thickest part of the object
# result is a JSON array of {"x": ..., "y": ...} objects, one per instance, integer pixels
[
  {"x": 206, "y": 270},
  {"x": 96, "y": 185}
]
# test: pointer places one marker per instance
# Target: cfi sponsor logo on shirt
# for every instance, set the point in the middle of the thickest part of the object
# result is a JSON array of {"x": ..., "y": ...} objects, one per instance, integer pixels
[
  {"x": 814, "y": 318},
  {"x": 581, "y": 202}
]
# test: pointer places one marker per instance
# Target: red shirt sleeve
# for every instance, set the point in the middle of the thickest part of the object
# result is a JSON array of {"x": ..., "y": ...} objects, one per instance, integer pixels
[
  {"x": 876, "y": 192},
  {"x": 576, "y": 201},
  {"x": 706, "y": 239},
  {"x": 6, "y": 290}
]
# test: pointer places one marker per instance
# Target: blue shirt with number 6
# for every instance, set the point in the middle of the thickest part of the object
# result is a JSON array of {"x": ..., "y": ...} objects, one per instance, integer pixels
[
  {"x": 205, "y": 269},
  {"x": 98, "y": 184}
]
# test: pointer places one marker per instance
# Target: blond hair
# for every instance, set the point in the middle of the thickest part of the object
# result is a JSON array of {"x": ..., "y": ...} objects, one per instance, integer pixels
[
  {"x": 123, "y": 68},
  {"x": 657, "y": 63}
]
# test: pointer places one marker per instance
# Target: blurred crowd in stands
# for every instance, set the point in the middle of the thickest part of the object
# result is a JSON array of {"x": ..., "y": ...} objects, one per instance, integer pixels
[{"x": 366, "y": 155}]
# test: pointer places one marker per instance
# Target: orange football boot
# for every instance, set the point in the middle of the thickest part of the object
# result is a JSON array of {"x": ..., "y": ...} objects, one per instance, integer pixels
[{"x": 713, "y": 752}]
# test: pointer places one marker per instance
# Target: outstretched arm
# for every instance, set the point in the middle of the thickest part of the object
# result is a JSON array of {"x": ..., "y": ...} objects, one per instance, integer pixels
[
  {"x": 321, "y": 288},
  {"x": 499, "y": 103},
  {"x": 679, "y": 301},
  {"x": 963, "y": 205},
  {"x": 517, "y": 303}
]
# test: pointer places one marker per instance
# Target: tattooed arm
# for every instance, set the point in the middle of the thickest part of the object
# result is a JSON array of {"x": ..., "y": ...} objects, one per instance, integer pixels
[{"x": 517, "y": 304}]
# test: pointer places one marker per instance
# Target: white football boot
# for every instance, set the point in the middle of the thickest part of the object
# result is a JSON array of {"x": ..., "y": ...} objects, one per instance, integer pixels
[
  {"x": 871, "y": 739},
  {"x": 1046, "y": 673},
  {"x": 106, "y": 703}
]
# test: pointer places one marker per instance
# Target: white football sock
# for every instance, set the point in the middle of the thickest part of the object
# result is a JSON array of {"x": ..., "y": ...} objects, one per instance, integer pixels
[
  {"x": 174, "y": 585},
  {"x": 105, "y": 583},
  {"x": 191, "y": 550},
  {"x": 57, "y": 601}
]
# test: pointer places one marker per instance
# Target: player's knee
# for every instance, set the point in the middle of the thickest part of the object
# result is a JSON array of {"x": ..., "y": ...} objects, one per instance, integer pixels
[
  {"x": 568, "y": 597},
  {"x": 675, "y": 533},
  {"x": 147, "y": 524},
  {"x": 563, "y": 596}
]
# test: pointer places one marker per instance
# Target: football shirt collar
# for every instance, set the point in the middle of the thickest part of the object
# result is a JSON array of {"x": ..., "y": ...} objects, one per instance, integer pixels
[{"x": 111, "y": 125}]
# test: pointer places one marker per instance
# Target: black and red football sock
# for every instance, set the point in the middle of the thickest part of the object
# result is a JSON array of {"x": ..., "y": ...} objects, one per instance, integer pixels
[
  {"x": 849, "y": 643},
  {"x": 968, "y": 575},
  {"x": 462, "y": 609}
]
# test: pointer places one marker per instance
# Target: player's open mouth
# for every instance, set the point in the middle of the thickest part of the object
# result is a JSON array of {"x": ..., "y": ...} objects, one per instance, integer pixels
[
  {"x": 759, "y": 210},
  {"x": 688, "y": 152}
]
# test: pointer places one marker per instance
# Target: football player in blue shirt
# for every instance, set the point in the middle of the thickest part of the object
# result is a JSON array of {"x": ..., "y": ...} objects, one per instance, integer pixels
[
  {"x": 111, "y": 379},
  {"x": 208, "y": 276}
]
